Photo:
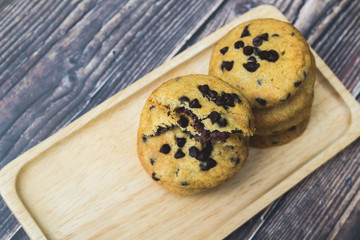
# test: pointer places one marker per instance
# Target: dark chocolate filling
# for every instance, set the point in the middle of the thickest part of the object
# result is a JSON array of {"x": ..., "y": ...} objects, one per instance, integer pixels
[{"x": 205, "y": 135}]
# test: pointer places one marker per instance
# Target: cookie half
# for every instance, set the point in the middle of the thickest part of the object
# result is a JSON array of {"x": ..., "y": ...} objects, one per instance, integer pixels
[{"x": 194, "y": 133}]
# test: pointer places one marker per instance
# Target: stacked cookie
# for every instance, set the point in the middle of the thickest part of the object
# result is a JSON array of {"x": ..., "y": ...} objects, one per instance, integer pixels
[
  {"x": 194, "y": 133},
  {"x": 271, "y": 64}
]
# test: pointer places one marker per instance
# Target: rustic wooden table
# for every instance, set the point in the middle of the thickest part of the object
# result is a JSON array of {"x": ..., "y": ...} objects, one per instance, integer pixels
[{"x": 59, "y": 59}]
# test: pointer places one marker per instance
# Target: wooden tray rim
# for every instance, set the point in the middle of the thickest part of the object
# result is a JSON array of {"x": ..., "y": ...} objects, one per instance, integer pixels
[{"x": 10, "y": 173}]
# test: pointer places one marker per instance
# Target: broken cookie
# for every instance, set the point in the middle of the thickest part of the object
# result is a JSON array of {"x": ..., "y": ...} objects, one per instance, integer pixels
[{"x": 196, "y": 135}]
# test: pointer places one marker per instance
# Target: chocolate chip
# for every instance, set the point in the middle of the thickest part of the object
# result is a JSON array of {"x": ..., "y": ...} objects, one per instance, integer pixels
[
  {"x": 183, "y": 122},
  {"x": 293, "y": 128},
  {"x": 229, "y": 101},
  {"x": 273, "y": 56},
  {"x": 246, "y": 32},
  {"x": 252, "y": 59},
  {"x": 264, "y": 36},
  {"x": 211, "y": 163},
  {"x": 224, "y": 50},
  {"x": 305, "y": 74},
  {"x": 261, "y": 101},
  {"x": 227, "y": 65},
  {"x": 152, "y": 107},
  {"x": 287, "y": 97},
  {"x": 165, "y": 149},
  {"x": 297, "y": 84},
  {"x": 180, "y": 142},
  {"x": 239, "y": 44},
  {"x": 194, "y": 151},
  {"x": 251, "y": 66},
  {"x": 214, "y": 116},
  {"x": 204, "y": 89},
  {"x": 256, "y": 51},
  {"x": 201, "y": 157},
  {"x": 144, "y": 138},
  {"x": 154, "y": 177},
  {"x": 152, "y": 161},
  {"x": 275, "y": 35},
  {"x": 292, "y": 34},
  {"x": 283, "y": 53},
  {"x": 207, "y": 149},
  {"x": 236, "y": 98},
  {"x": 184, "y": 99},
  {"x": 235, "y": 160},
  {"x": 222, "y": 122},
  {"x": 184, "y": 183},
  {"x": 259, "y": 82},
  {"x": 264, "y": 55},
  {"x": 220, "y": 101},
  {"x": 205, "y": 166},
  {"x": 195, "y": 103},
  {"x": 212, "y": 94},
  {"x": 257, "y": 41},
  {"x": 248, "y": 50},
  {"x": 179, "y": 154},
  {"x": 168, "y": 113}
]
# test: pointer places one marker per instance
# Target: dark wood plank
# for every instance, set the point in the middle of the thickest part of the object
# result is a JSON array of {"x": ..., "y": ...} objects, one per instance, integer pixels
[
  {"x": 20, "y": 235},
  {"x": 348, "y": 225},
  {"x": 8, "y": 223}
]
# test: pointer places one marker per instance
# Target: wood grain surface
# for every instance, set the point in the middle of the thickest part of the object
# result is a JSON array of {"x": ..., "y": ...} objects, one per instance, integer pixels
[{"x": 59, "y": 59}]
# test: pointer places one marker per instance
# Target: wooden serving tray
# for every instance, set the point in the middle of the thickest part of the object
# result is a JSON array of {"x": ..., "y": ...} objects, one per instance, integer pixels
[{"x": 86, "y": 181}]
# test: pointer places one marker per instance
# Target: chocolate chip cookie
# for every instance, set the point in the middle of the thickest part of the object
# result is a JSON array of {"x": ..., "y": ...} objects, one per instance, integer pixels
[
  {"x": 194, "y": 133},
  {"x": 266, "y": 59}
]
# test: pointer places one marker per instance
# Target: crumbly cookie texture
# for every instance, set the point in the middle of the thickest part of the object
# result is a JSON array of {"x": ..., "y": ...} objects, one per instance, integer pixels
[
  {"x": 266, "y": 59},
  {"x": 194, "y": 133},
  {"x": 292, "y": 107},
  {"x": 280, "y": 138}
]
